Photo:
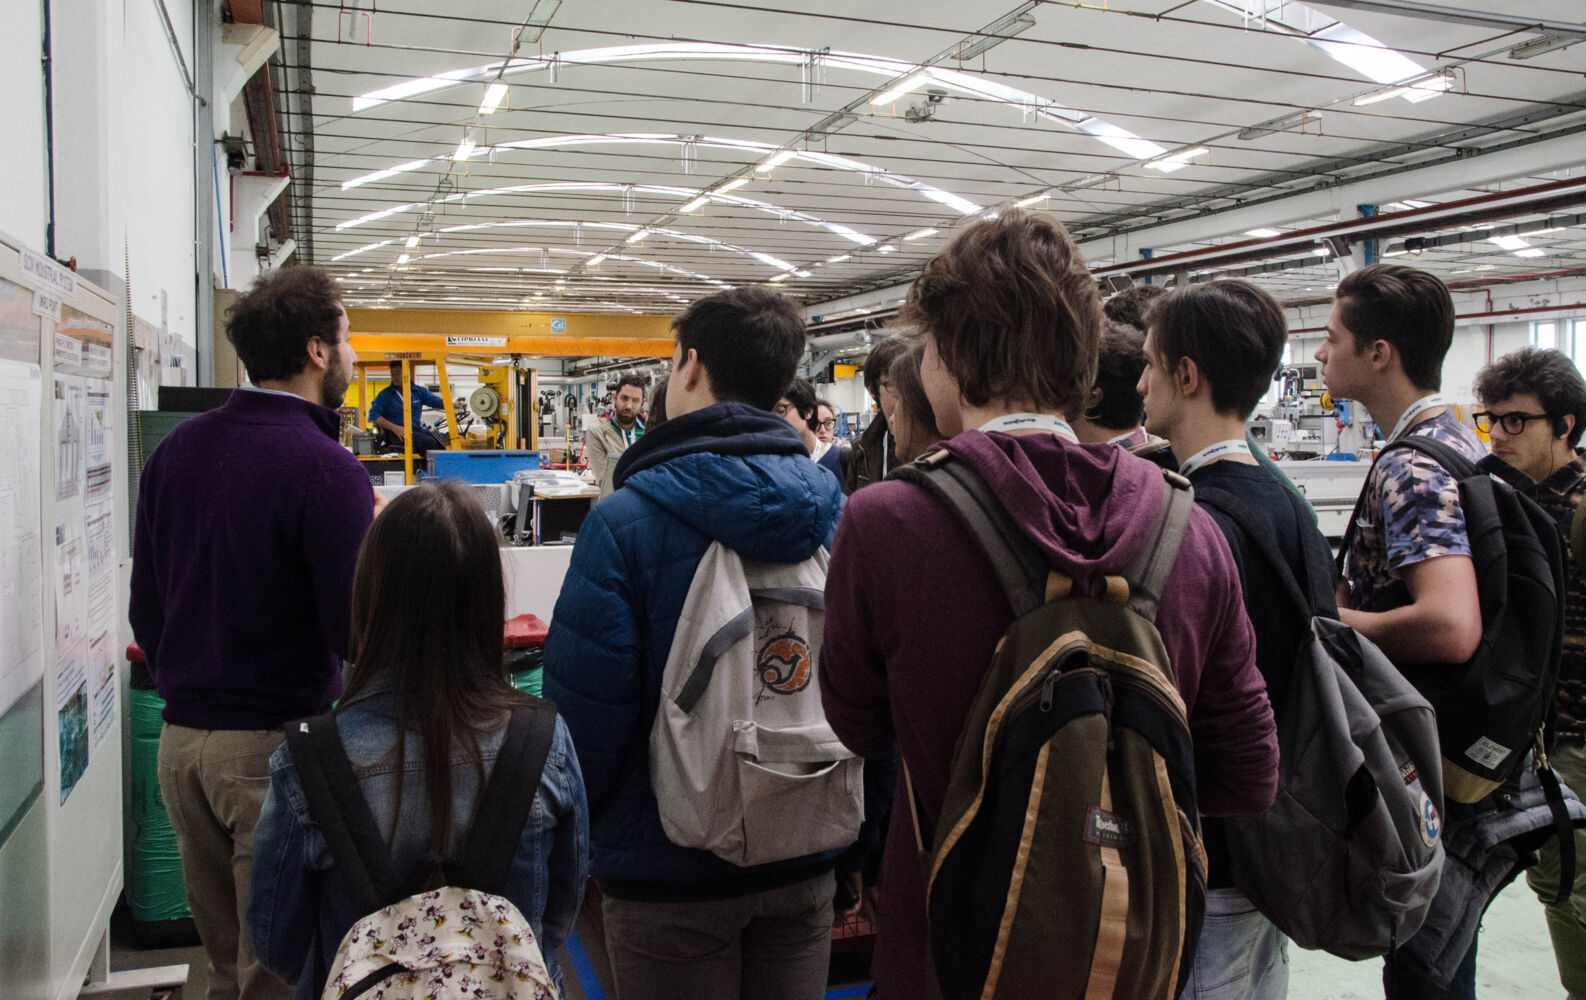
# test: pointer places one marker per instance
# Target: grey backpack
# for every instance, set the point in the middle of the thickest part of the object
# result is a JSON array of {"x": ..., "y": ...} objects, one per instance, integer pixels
[
  {"x": 742, "y": 759},
  {"x": 1349, "y": 857}
]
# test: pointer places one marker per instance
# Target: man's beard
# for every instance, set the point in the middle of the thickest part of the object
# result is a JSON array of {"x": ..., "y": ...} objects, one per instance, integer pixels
[
  {"x": 627, "y": 421},
  {"x": 333, "y": 387}
]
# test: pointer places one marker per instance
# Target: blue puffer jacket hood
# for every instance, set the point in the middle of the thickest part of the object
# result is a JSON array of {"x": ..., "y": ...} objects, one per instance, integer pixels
[
  {"x": 729, "y": 472},
  {"x": 741, "y": 476}
]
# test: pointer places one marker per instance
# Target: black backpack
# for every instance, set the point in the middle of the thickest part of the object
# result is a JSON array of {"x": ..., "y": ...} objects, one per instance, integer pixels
[
  {"x": 1491, "y": 708},
  {"x": 1349, "y": 857}
]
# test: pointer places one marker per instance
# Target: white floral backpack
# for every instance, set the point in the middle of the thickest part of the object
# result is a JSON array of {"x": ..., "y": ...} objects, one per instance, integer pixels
[{"x": 445, "y": 932}]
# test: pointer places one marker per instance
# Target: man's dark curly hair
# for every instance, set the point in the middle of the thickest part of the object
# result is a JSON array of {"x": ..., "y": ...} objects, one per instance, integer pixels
[{"x": 271, "y": 324}]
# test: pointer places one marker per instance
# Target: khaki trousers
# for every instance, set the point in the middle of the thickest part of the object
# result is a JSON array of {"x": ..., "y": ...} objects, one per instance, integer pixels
[
  {"x": 213, "y": 782},
  {"x": 772, "y": 945},
  {"x": 1566, "y": 923}
]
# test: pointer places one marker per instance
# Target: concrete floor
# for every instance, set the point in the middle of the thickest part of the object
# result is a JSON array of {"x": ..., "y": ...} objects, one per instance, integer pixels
[{"x": 1515, "y": 962}]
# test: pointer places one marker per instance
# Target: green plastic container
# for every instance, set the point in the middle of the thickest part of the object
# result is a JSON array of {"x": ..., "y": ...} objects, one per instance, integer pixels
[{"x": 155, "y": 889}]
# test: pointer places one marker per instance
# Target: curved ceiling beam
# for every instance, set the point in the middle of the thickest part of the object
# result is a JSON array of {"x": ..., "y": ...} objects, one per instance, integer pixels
[
  {"x": 758, "y": 149},
  {"x": 966, "y": 84}
]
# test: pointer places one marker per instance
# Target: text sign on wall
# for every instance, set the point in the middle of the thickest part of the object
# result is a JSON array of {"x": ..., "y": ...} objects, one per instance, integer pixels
[
  {"x": 476, "y": 342},
  {"x": 47, "y": 276}
]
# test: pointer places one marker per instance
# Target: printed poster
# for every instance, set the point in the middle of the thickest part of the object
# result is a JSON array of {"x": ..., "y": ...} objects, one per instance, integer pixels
[
  {"x": 67, "y": 440},
  {"x": 71, "y": 686}
]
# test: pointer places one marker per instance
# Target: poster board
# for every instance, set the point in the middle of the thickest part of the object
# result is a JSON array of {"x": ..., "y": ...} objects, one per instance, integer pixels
[{"x": 64, "y": 854}]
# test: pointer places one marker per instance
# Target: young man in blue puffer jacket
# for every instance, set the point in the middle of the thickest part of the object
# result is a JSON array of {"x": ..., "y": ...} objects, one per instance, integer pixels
[{"x": 681, "y": 921}]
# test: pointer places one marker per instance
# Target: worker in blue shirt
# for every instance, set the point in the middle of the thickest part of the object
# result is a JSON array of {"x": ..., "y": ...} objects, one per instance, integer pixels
[{"x": 386, "y": 414}]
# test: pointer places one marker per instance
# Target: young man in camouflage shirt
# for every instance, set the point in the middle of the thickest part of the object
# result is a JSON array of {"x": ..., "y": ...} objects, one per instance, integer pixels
[
  {"x": 1535, "y": 410},
  {"x": 1409, "y": 583}
]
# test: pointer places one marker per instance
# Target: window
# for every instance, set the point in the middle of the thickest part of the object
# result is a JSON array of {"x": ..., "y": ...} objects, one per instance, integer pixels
[{"x": 1567, "y": 335}]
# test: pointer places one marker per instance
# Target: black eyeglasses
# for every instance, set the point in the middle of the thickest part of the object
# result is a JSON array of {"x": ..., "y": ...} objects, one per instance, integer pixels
[
  {"x": 1513, "y": 422},
  {"x": 781, "y": 409},
  {"x": 829, "y": 425}
]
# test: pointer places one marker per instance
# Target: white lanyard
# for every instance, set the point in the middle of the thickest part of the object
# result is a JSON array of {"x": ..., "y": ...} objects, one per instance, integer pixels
[
  {"x": 1233, "y": 446},
  {"x": 1417, "y": 408},
  {"x": 1031, "y": 422}
]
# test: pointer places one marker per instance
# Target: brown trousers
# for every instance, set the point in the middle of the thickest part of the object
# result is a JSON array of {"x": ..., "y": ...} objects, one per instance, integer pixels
[{"x": 213, "y": 782}]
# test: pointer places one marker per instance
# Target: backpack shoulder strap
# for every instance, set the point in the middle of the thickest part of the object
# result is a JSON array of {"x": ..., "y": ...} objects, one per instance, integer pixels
[
  {"x": 338, "y": 806},
  {"x": 1451, "y": 459},
  {"x": 1148, "y": 570},
  {"x": 1021, "y": 567},
  {"x": 1308, "y": 598},
  {"x": 485, "y": 855}
]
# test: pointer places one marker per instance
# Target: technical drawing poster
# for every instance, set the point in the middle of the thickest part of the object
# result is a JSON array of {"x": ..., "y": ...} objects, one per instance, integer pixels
[
  {"x": 68, "y": 437},
  {"x": 21, "y": 604}
]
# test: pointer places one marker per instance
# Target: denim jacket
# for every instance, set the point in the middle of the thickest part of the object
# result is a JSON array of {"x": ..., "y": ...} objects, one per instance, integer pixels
[{"x": 299, "y": 907}]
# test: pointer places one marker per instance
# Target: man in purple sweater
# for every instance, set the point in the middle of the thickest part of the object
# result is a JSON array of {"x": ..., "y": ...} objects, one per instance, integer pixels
[
  {"x": 248, "y": 525},
  {"x": 1011, "y": 320}
]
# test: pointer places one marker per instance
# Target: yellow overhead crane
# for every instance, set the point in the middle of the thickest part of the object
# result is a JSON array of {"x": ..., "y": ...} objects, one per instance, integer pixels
[
  {"x": 424, "y": 337},
  {"x": 492, "y": 401}
]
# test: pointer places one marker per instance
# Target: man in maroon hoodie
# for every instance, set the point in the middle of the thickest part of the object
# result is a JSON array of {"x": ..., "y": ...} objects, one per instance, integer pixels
[{"x": 1011, "y": 320}]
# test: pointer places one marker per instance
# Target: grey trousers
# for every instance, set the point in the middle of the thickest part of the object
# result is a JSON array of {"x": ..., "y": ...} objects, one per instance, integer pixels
[
  {"x": 772, "y": 945},
  {"x": 213, "y": 782}
]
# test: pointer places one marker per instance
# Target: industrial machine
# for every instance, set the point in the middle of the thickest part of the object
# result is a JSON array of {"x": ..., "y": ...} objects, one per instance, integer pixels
[
  {"x": 506, "y": 401},
  {"x": 1319, "y": 426}
]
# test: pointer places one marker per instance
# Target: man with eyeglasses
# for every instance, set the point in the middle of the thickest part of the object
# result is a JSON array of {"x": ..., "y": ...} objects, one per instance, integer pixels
[
  {"x": 798, "y": 407},
  {"x": 1535, "y": 411}
]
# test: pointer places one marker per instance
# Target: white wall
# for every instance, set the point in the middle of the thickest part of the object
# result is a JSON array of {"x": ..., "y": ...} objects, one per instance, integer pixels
[
  {"x": 124, "y": 154},
  {"x": 22, "y": 188}
]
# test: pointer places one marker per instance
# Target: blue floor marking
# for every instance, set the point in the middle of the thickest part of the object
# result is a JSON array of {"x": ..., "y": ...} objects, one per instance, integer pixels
[
  {"x": 585, "y": 969},
  {"x": 847, "y": 991}
]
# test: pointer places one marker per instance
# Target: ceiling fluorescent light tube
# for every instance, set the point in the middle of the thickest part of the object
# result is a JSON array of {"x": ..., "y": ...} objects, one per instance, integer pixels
[
  {"x": 1377, "y": 97},
  {"x": 1173, "y": 161},
  {"x": 696, "y": 204},
  {"x": 996, "y": 35},
  {"x": 921, "y": 234},
  {"x": 1540, "y": 232},
  {"x": 732, "y": 185},
  {"x": 908, "y": 86},
  {"x": 1545, "y": 43},
  {"x": 466, "y": 148},
  {"x": 839, "y": 258},
  {"x": 1027, "y": 202},
  {"x": 494, "y": 95},
  {"x": 1263, "y": 233},
  {"x": 595, "y": 260},
  {"x": 1531, "y": 252},
  {"x": 637, "y": 236},
  {"x": 412, "y": 242},
  {"x": 403, "y": 259},
  {"x": 780, "y": 277},
  {"x": 775, "y": 160},
  {"x": 1509, "y": 242}
]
